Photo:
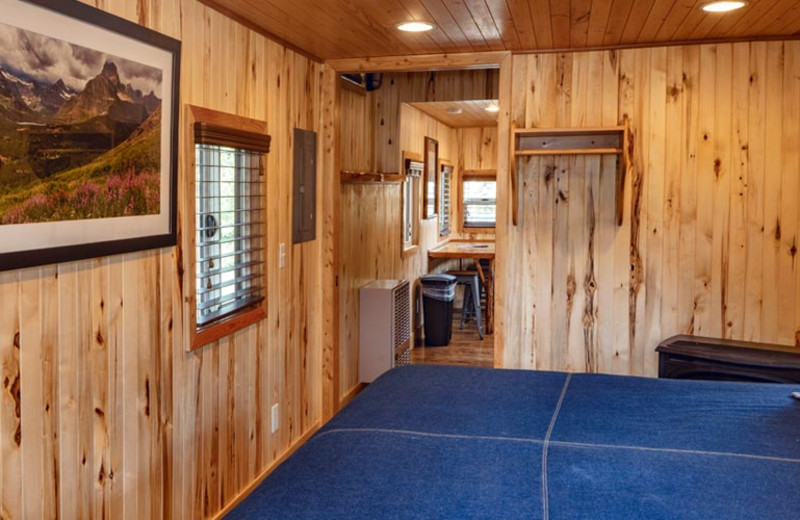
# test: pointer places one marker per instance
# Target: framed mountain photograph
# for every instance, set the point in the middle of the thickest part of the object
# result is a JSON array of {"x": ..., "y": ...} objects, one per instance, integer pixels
[{"x": 88, "y": 129}]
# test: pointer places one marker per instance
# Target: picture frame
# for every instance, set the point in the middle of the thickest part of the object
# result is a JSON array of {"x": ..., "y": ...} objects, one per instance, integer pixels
[
  {"x": 88, "y": 140},
  {"x": 430, "y": 181}
]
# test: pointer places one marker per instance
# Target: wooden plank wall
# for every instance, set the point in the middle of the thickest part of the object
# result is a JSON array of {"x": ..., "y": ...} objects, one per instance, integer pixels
[
  {"x": 709, "y": 239},
  {"x": 370, "y": 250},
  {"x": 370, "y": 236},
  {"x": 356, "y": 130},
  {"x": 462, "y": 85},
  {"x": 370, "y": 132},
  {"x": 102, "y": 412},
  {"x": 477, "y": 151},
  {"x": 369, "y": 129},
  {"x": 478, "y": 148}
]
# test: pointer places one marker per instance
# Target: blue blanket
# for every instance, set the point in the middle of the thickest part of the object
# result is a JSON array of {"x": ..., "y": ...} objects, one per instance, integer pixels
[{"x": 427, "y": 442}]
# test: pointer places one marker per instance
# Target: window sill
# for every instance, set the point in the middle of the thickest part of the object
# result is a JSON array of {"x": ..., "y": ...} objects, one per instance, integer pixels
[
  {"x": 470, "y": 229},
  {"x": 410, "y": 251},
  {"x": 226, "y": 327},
  {"x": 442, "y": 241}
]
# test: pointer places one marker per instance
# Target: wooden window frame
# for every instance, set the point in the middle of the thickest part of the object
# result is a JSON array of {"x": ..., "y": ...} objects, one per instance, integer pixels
[
  {"x": 439, "y": 178},
  {"x": 416, "y": 211},
  {"x": 202, "y": 336},
  {"x": 473, "y": 175},
  {"x": 431, "y": 169}
]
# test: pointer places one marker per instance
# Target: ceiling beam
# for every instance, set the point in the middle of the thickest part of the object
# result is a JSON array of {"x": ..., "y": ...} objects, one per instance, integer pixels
[
  {"x": 669, "y": 43},
  {"x": 420, "y": 62}
]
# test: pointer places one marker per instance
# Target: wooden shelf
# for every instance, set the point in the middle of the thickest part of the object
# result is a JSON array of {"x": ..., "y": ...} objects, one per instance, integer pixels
[
  {"x": 569, "y": 141},
  {"x": 572, "y": 151},
  {"x": 571, "y": 131},
  {"x": 370, "y": 177},
  {"x": 611, "y": 140}
]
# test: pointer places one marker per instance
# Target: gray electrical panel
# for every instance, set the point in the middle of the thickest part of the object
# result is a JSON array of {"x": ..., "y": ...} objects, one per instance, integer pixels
[{"x": 304, "y": 189}]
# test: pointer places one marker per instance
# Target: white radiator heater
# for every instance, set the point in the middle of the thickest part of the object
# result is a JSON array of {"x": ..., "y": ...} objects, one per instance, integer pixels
[{"x": 384, "y": 327}]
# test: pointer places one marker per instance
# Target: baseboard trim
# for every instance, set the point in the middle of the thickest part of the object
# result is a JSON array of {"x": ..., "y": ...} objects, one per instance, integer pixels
[
  {"x": 352, "y": 394},
  {"x": 264, "y": 474}
]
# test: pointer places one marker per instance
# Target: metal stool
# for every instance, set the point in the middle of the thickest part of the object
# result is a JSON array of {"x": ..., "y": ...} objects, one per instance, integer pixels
[{"x": 472, "y": 297}]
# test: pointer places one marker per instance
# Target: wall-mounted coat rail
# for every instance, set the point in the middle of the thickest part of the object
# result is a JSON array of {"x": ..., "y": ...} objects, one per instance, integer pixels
[
  {"x": 614, "y": 140},
  {"x": 370, "y": 177}
]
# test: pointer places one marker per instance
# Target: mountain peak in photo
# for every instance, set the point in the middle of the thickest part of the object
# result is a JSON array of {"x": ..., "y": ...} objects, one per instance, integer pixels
[
  {"x": 110, "y": 71},
  {"x": 105, "y": 95},
  {"x": 23, "y": 99}
]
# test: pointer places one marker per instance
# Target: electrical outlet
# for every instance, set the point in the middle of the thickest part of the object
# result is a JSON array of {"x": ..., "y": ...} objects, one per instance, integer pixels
[
  {"x": 282, "y": 256},
  {"x": 275, "y": 417}
]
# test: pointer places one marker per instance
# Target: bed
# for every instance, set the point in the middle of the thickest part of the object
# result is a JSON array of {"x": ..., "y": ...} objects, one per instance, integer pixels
[{"x": 427, "y": 442}]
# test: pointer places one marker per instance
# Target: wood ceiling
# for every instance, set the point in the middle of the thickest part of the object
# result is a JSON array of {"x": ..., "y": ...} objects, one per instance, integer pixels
[
  {"x": 473, "y": 113},
  {"x": 329, "y": 29}
]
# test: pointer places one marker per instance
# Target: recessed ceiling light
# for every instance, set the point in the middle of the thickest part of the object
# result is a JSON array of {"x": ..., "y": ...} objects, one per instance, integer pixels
[
  {"x": 723, "y": 7},
  {"x": 415, "y": 26},
  {"x": 454, "y": 111},
  {"x": 492, "y": 108}
]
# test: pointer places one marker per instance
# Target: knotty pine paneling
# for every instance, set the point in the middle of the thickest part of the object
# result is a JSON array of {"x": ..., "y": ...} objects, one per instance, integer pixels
[
  {"x": 709, "y": 239},
  {"x": 401, "y": 88},
  {"x": 370, "y": 236},
  {"x": 473, "y": 113},
  {"x": 370, "y": 250},
  {"x": 103, "y": 413},
  {"x": 478, "y": 148},
  {"x": 477, "y": 151},
  {"x": 344, "y": 29},
  {"x": 355, "y": 124},
  {"x": 369, "y": 126}
]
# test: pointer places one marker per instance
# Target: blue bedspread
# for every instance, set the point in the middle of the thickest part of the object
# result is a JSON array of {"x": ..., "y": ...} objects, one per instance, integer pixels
[{"x": 427, "y": 442}]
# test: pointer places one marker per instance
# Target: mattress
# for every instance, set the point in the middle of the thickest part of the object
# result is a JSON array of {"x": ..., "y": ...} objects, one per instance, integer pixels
[{"x": 427, "y": 442}]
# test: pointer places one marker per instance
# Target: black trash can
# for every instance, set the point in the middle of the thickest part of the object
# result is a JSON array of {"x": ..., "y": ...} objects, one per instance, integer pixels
[{"x": 438, "y": 293}]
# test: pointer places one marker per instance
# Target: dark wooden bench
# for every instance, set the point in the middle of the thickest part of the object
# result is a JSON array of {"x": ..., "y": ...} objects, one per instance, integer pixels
[{"x": 692, "y": 357}]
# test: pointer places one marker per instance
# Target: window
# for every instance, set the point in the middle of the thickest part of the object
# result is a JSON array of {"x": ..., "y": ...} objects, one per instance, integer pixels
[
  {"x": 446, "y": 179},
  {"x": 413, "y": 168},
  {"x": 479, "y": 199},
  {"x": 431, "y": 163},
  {"x": 230, "y": 228},
  {"x": 408, "y": 213}
]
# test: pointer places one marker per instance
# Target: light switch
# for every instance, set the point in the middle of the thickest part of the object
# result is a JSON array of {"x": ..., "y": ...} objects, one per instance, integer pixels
[{"x": 275, "y": 418}]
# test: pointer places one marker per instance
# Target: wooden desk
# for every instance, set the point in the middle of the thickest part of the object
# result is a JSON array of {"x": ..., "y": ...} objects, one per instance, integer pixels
[{"x": 476, "y": 251}]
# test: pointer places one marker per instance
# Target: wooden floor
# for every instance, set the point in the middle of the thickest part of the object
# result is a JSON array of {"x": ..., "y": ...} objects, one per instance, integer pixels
[{"x": 465, "y": 349}]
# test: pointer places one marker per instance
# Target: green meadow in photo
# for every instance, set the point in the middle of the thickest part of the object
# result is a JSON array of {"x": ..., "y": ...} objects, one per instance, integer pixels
[{"x": 80, "y": 132}]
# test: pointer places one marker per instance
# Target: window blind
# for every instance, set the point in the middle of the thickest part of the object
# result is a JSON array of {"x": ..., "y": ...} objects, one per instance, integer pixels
[
  {"x": 445, "y": 202},
  {"x": 413, "y": 172},
  {"x": 230, "y": 225},
  {"x": 480, "y": 202}
]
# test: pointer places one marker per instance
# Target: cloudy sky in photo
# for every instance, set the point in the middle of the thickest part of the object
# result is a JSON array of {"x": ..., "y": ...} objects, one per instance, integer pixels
[{"x": 47, "y": 60}]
